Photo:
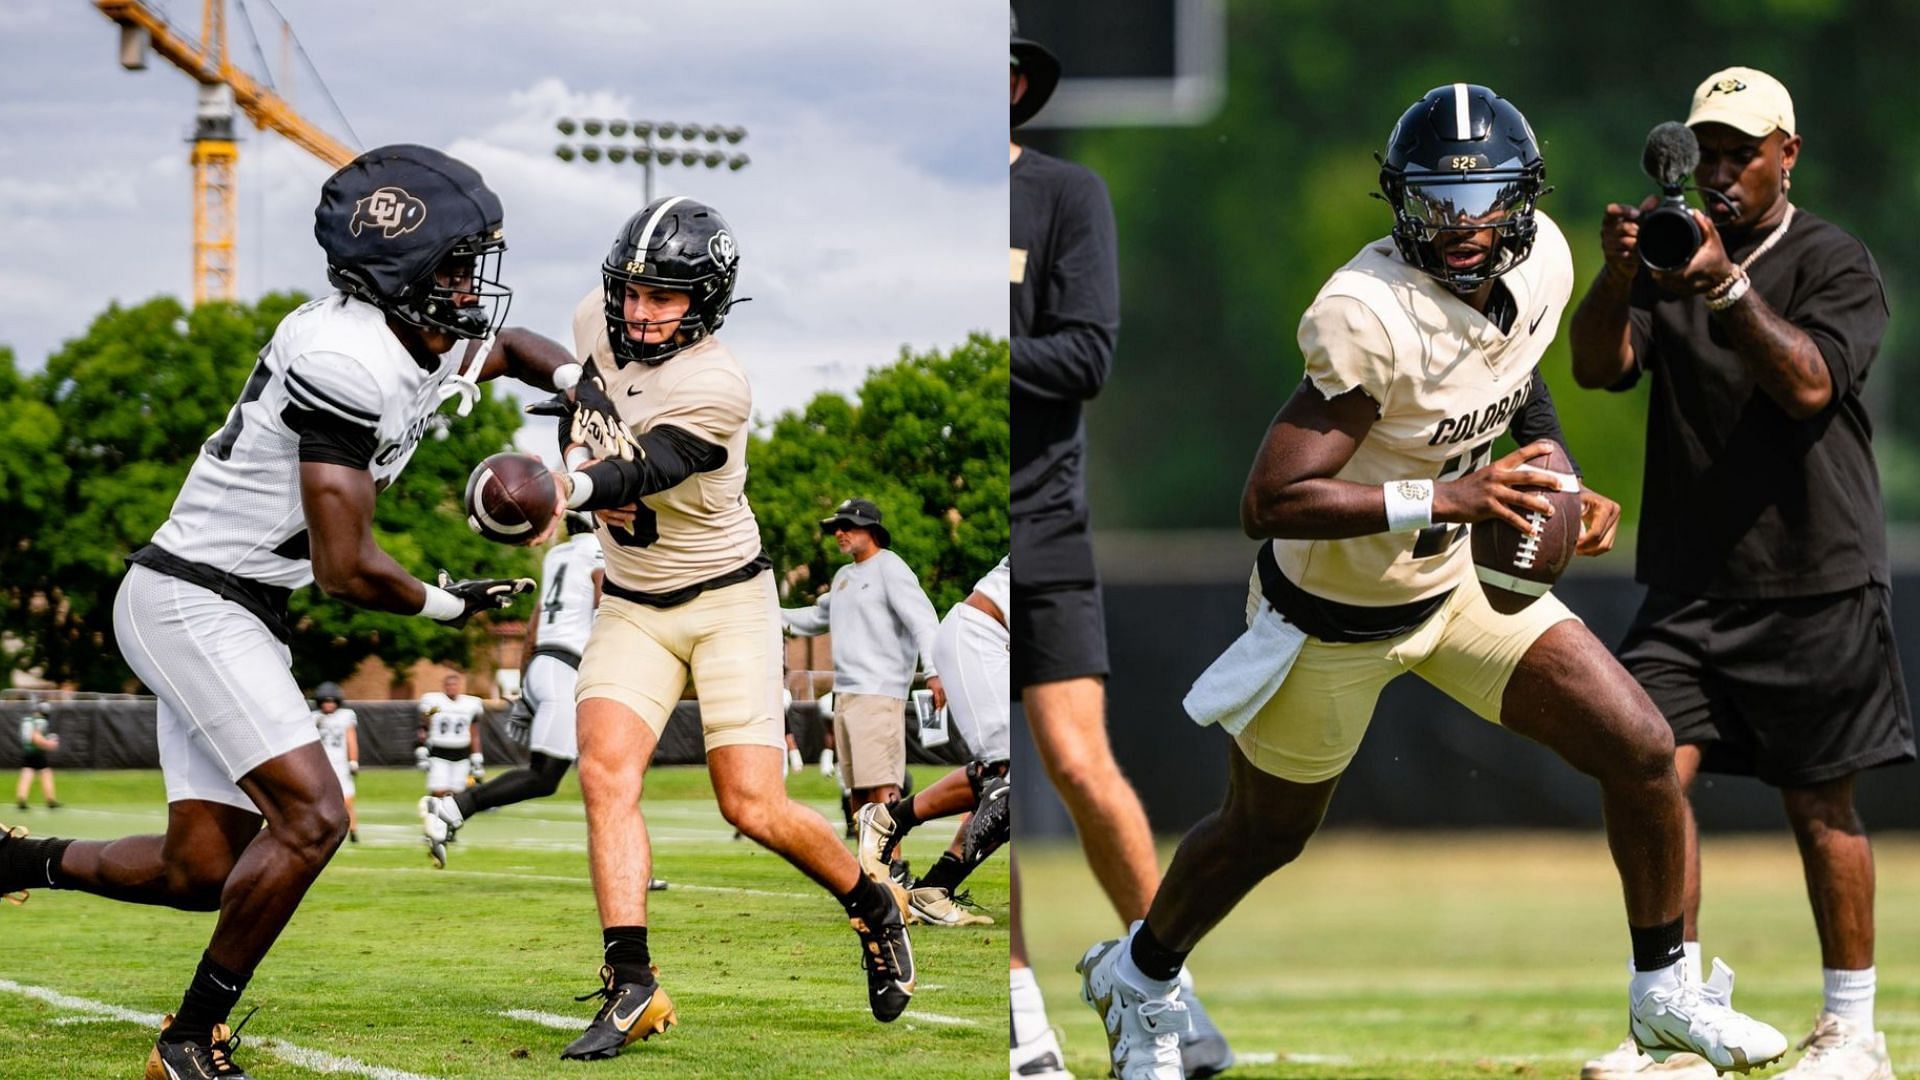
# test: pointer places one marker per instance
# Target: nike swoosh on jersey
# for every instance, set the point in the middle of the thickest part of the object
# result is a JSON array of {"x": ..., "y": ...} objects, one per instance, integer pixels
[
  {"x": 1535, "y": 324},
  {"x": 634, "y": 391}
]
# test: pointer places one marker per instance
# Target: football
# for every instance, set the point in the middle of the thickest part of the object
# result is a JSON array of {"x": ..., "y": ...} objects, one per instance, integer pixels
[
  {"x": 1516, "y": 568},
  {"x": 511, "y": 498}
]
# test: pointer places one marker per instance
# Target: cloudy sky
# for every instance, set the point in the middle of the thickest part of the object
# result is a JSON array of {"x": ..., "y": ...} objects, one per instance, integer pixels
[{"x": 872, "y": 214}]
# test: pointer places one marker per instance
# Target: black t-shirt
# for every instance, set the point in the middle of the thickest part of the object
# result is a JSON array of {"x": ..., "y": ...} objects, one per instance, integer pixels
[
  {"x": 1065, "y": 304},
  {"x": 1741, "y": 500}
]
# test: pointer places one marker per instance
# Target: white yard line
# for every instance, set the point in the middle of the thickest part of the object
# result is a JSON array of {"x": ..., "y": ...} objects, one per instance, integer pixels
[
  {"x": 317, "y": 1060},
  {"x": 672, "y": 885},
  {"x": 546, "y": 1019}
]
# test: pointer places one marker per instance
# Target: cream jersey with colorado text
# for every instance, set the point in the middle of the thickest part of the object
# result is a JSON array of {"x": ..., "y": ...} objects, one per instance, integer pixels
[
  {"x": 702, "y": 527},
  {"x": 1446, "y": 381}
]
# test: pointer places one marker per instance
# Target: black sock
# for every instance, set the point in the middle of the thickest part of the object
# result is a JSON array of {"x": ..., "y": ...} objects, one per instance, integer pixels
[
  {"x": 33, "y": 863},
  {"x": 865, "y": 901},
  {"x": 626, "y": 953},
  {"x": 1657, "y": 947},
  {"x": 904, "y": 819},
  {"x": 946, "y": 874},
  {"x": 209, "y": 1000},
  {"x": 1155, "y": 960},
  {"x": 466, "y": 803}
]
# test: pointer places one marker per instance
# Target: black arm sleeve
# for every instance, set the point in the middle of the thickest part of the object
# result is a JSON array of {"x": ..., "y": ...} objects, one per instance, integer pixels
[
  {"x": 668, "y": 455},
  {"x": 1537, "y": 419},
  {"x": 329, "y": 440}
]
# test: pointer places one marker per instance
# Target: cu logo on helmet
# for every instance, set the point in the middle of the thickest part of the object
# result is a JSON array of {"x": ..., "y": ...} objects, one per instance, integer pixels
[
  {"x": 721, "y": 249},
  {"x": 389, "y": 209}
]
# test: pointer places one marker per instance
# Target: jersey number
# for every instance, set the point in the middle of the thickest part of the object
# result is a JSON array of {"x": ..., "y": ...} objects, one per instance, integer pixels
[
  {"x": 221, "y": 445},
  {"x": 645, "y": 530},
  {"x": 553, "y": 606},
  {"x": 1436, "y": 539}
]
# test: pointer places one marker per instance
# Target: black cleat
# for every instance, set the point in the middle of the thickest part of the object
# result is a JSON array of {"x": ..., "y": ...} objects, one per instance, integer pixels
[
  {"x": 631, "y": 1011},
  {"x": 887, "y": 955},
  {"x": 197, "y": 1061},
  {"x": 656, "y": 884},
  {"x": 902, "y": 873}
]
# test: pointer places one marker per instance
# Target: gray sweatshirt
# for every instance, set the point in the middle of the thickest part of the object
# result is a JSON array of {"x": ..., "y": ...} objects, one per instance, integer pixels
[{"x": 880, "y": 619}]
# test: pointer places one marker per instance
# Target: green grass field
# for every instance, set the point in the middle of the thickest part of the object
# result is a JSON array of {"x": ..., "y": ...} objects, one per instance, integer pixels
[
  {"x": 1448, "y": 955},
  {"x": 409, "y": 972}
]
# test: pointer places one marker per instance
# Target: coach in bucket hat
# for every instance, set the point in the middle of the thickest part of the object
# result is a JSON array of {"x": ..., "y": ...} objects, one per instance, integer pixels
[
  {"x": 1033, "y": 61},
  {"x": 858, "y": 514}
]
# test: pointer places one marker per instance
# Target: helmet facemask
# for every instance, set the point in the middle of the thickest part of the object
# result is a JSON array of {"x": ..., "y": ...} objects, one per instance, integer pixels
[
  {"x": 708, "y": 299},
  {"x": 1428, "y": 204},
  {"x": 464, "y": 296}
]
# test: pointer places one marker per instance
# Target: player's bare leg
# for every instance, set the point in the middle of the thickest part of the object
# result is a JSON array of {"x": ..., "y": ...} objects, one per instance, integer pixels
[
  {"x": 1686, "y": 766},
  {"x": 753, "y": 798},
  {"x": 615, "y": 747},
  {"x": 1069, "y": 724},
  {"x": 1570, "y": 695},
  {"x": 306, "y": 820},
  {"x": 25, "y": 787},
  {"x": 46, "y": 787},
  {"x": 186, "y": 868}
]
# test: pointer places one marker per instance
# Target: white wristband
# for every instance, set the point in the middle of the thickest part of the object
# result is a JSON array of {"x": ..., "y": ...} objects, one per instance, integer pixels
[
  {"x": 580, "y": 489},
  {"x": 567, "y": 376},
  {"x": 441, "y": 605},
  {"x": 578, "y": 457},
  {"x": 1409, "y": 504}
]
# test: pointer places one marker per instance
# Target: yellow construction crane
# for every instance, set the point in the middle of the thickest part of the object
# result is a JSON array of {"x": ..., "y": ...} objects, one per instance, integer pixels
[{"x": 215, "y": 153}]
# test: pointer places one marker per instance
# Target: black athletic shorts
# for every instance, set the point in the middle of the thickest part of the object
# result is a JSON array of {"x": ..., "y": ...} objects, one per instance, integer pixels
[
  {"x": 1059, "y": 623},
  {"x": 1794, "y": 691},
  {"x": 33, "y": 758}
]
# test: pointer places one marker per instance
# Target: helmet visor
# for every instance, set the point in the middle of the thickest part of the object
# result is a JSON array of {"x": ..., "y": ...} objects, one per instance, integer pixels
[{"x": 1458, "y": 203}]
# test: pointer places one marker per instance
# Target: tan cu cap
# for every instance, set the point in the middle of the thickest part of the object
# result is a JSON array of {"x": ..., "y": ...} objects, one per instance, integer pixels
[{"x": 1744, "y": 99}]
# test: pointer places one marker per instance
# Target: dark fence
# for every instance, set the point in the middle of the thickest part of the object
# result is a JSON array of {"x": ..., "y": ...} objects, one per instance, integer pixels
[
  {"x": 1426, "y": 762},
  {"x": 119, "y": 734}
]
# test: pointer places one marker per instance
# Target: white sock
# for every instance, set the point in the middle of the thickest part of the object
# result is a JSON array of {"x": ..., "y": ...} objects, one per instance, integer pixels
[
  {"x": 1660, "y": 978},
  {"x": 1850, "y": 995},
  {"x": 1140, "y": 980},
  {"x": 1692, "y": 960},
  {"x": 1029, "y": 1012}
]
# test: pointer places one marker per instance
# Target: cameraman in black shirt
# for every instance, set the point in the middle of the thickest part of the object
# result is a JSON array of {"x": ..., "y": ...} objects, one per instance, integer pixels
[
  {"x": 1766, "y": 636},
  {"x": 1065, "y": 308}
]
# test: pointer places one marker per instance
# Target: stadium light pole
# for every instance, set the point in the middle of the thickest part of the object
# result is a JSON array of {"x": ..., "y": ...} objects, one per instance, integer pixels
[{"x": 693, "y": 145}]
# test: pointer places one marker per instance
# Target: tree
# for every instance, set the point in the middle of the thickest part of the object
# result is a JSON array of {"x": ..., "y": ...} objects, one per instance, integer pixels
[
  {"x": 927, "y": 442},
  {"x": 94, "y": 448}
]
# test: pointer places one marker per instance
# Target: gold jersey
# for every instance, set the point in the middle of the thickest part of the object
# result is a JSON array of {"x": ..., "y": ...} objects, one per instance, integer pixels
[
  {"x": 702, "y": 527},
  {"x": 1446, "y": 380}
]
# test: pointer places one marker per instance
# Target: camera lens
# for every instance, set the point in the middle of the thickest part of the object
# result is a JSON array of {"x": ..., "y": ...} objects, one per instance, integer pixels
[{"x": 1668, "y": 236}]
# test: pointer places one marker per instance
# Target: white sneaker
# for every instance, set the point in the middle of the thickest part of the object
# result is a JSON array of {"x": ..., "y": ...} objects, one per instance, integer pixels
[
  {"x": 1037, "y": 1060},
  {"x": 1143, "y": 1029},
  {"x": 1839, "y": 1049},
  {"x": 439, "y": 820},
  {"x": 1685, "y": 1017},
  {"x": 1626, "y": 1062},
  {"x": 942, "y": 907},
  {"x": 875, "y": 823}
]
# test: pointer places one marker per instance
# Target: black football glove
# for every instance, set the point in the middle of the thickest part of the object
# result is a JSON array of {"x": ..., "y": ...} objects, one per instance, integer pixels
[
  {"x": 596, "y": 421},
  {"x": 482, "y": 594},
  {"x": 517, "y": 725}
]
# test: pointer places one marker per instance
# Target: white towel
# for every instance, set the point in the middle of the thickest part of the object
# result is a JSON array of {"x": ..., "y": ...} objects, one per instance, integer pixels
[{"x": 1239, "y": 684}]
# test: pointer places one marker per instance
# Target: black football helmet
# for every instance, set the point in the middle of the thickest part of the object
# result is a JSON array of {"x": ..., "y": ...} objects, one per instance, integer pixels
[
  {"x": 1463, "y": 159},
  {"x": 418, "y": 235},
  {"x": 674, "y": 243}
]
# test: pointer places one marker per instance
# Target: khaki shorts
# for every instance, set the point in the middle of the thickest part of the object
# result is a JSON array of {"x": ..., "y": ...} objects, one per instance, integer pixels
[
  {"x": 870, "y": 732},
  {"x": 727, "y": 639},
  {"x": 1313, "y": 726}
]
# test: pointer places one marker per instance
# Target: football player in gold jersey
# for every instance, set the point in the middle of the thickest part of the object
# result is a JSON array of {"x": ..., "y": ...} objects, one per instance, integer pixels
[
  {"x": 661, "y": 415},
  {"x": 1419, "y": 352}
]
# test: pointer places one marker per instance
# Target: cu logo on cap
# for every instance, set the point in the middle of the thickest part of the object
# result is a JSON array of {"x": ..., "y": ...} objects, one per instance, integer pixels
[
  {"x": 391, "y": 210},
  {"x": 720, "y": 248},
  {"x": 1726, "y": 86}
]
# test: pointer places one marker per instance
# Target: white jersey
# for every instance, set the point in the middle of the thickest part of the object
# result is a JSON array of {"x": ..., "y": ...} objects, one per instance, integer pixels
[
  {"x": 1446, "y": 381},
  {"x": 29, "y": 727},
  {"x": 239, "y": 511},
  {"x": 450, "y": 720},
  {"x": 333, "y": 732},
  {"x": 566, "y": 605},
  {"x": 997, "y": 586}
]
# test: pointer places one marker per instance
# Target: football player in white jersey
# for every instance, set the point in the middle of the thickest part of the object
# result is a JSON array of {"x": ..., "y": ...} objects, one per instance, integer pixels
[
  {"x": 663, "y": 413},
  {"x": 449, "y": 739},
  {"x": 972, "y": 651},
  {"x": 570, "y": 578},
  {"x": 1419, "y": 352},
  {"x": 280, "y": 497},
  {"x": 340, "y": 737}
]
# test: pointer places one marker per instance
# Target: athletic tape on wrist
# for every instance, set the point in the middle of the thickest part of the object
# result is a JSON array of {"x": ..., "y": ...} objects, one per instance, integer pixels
[
  {"x": 440, "y": 604},
  {"x": 567, "y": 376},
  {"x": 579, "y": 489},
  {"x": 1409, "y": 504}
]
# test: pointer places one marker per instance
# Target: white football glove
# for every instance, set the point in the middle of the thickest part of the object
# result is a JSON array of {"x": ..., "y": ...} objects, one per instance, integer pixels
[
  {"x": 353, "y": 768},
  {"x": 478, "y": 763},
  {"x": 420, "y": 757}
]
